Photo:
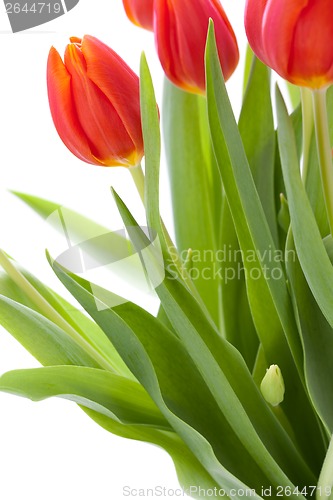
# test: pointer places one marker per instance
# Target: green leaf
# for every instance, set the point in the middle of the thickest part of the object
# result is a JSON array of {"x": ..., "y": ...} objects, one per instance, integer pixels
[
  {"x": 310, "y": 249},
  {"x": 117, "y": 404},
  {"x": 266, "y": 283},
  {"x": 151, "y": 134},
  {"x": 294, "y": 94},
  {"x": 315, "y": 191},
  {"x": 80, "y": 228},
  {"x": 195, "y": 188},
  {"x": 191, "y": 473},
  {"x": 258, "y": 137},
  {"x": 152, "y": 144},
  {"x": 238, "y": 326},
  {"x": 325, "y": 483},
  {"x": 317, "y": 337},
  {"x": 313, "y": 178},
  {"x": 74, "y": 317},
  {"x": 43, "y": 339},
  {"x": 97, "y": 241},
  {"x": 101, "y": 391},
  {"x": 247, "y": 68},
  {"x": 308, "y": 241},
  {"x": 224, "y": 372},
  {"x": 253, "y": 233},
  {"x": 163, "y": 367}
]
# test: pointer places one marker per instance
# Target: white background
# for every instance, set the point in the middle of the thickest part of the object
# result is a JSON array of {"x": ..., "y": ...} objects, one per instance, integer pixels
[{"x": 51, "y": 450}]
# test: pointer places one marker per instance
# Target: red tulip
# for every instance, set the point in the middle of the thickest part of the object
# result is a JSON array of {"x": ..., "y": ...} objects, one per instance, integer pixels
[
  {"x": 180, "y": 33},
  {"x": 294, "y": 38},
  {"x": 140, "y": 12},
  {"x": 95, "y": 104}
]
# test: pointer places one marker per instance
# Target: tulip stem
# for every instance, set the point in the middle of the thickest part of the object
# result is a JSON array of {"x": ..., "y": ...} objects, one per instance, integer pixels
[
  {"x": 307, "y": 122},
  {"x": 324, "y": 150},
  {"x": 139, "y": 180},
  {"x": 49, "y": 312}
]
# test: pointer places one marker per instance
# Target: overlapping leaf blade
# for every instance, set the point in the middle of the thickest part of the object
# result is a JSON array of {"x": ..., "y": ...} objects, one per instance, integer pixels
[
  {"x": 166, "y": 371},
  {"x": 194, "y": 187},
  {"x": 74, "y": 317},
  {"x": 256, "y": 128},
  {"x": 151, "y": 134},
  {"x": 109, "y": 394},
  {"x": 316, "y": 330},
  {"x": 43, "y": 339},
  {"x": 268, "y": 294},
  {"x": 226, "y": 375}
]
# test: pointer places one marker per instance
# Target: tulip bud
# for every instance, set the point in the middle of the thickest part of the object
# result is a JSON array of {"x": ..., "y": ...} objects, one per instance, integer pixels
[
  {"x": 180, "y": 34},
  {"x": 293, "y": 38},
  {"x": 140, "y": 12},
  {"x": 272, "y": 386},
  {"x": 95, "y": 104}
]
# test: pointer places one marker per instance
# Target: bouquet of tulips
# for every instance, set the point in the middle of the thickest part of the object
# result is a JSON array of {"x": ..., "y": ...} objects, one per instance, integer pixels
[{"x": 233, "y": 374}]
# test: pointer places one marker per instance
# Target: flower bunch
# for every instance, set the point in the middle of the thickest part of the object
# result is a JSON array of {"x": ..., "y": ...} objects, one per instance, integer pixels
[{"x": 232, "y": 376}]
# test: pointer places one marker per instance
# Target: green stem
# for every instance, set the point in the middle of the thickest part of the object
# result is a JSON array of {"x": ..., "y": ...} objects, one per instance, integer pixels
[
  {"x": 49, "y": 312},
  {"x": 324, "y": 150},
  {"x": 139, "y": 180},
  {"x": 307, "y": 121}
]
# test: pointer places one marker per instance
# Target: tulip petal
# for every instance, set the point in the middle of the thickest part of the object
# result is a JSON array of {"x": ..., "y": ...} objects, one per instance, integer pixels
[
  {"x": 180, "y": 34},
  {"x": 62, "y": 109},
  {"x": 225, "y": 39},
  {"x": 109, "y": 141},
  {"x": 279, "y": 22},
  {"x": 293, "y": 38},
  {"x": 118, "y": 83},
  {"x": 311, "y": 57},
  {"x": 140, "y": 12},
  {"x": 254, "y": 14}
]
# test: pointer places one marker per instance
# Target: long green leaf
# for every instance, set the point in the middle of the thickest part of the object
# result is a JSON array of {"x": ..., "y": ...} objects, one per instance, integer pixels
[
  {"x": 194, "y": 188},
  {"x": 250, "y": 222},
  {"x": 258, "y": 137},
  {"x": 167, "y": 373},
  {"x": 309, "y": 244},
  {"x": 325, "y": 483},
  {"x": 317, "y": 337},
  {"x": 316, "y": 331},
  {"x": 95, "y": 240},
  {"x": 118, "y": 405},
  {"x": 222, "y": 367},
  {"x": 152, "y": 143},
  {"x": 101, "y": 391},
  {"x": 74, "y": 317},
  {"x": 266, "y": 283},
  {"x": 43, "y": 339},
  {"x": 191, "y": 474}
]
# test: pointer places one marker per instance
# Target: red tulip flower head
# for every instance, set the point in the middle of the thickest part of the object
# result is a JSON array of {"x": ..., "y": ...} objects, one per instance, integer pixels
[
  {"x": 95, "y": 104},
  {"x": 180, "y": 33},
  {"x": 295, "y": 38},
  {"x": 140, "y": 12}
]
